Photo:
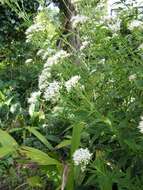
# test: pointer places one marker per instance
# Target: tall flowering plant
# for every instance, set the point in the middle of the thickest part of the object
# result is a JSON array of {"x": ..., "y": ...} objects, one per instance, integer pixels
[{"x": 91, "y": 101}]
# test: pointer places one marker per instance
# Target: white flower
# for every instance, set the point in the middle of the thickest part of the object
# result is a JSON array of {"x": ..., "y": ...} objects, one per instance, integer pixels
[
  {"x": 140, "y": 126},
  {"x": 46, "y": 72},
  {"x": 57, "y": 110},
  {"x": 53, "y": 60},
  {"x": 52, "y": 92},
  {"x": 113, "y": 24},
  {"x": 28, "y": 61},
  {"x": 45, "y": 125},
  {"x": 84, "y": 45},
  {"x": 132, "y": 77},
  {"x": 45, "y": 55},
  {"x": 72, "y": 82},
  {"x": 33, "y": 100},
  {"x": 75, "y": 1},
  {"x": 35, "y": 28},
  {"x": 140, "y": 47},
  {"x": 40, "y": 8},
  {"x": 34, "y": 97},
  {"x": 102, "y": 61},
  {"x": 135, "y": 24},
  {"x": 43, "y": 78},
  {"x": 132, "y": 99},
  {"x": 54, "y": 8},
  {"x": 29, "y": 38},
  {"x": 78, "y": 19},
  {"x": 40, "y": 52},
  {"x": 82, "y": 157}
]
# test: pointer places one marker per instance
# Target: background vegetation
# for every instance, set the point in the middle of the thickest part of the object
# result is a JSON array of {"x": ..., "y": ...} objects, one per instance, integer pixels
[{"x": 71, "y": 87}]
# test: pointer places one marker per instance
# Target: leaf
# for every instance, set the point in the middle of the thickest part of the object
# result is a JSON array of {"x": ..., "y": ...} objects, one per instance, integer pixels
[
  {"x": 7, "y": 140},
  {"x": 75, "y": 142},
  {"x": 4, "y": 151},
  {"x": 34, "y": 181},
  {"x": 40, "y": 137},
  {"x": 76, "y": 135},
  {"x": 64, "y": 143},
  {"x": 15, "y": 129},
  {"x": 38, "y": 156}
]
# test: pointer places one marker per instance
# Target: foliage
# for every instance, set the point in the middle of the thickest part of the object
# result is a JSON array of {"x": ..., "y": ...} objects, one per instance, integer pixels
[{"x": 90, "y": 98}]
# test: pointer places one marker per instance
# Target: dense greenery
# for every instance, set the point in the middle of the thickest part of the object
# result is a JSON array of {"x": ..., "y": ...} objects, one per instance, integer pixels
[{"x": 71, "y": 102}]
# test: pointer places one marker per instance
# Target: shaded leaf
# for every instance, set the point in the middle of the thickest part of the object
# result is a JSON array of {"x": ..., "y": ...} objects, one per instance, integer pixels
[
  {"x": 40, "y": 137},
  {"x": 64, "y": 143},
  {"x": 34, "y": 181}
]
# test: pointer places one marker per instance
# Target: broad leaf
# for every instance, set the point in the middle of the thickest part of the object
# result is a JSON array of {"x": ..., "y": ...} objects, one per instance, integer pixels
[
  {"x": 4, "y": 151},
  {"x": 38, "y": 156},
  {"x": 7, "y": 140}
]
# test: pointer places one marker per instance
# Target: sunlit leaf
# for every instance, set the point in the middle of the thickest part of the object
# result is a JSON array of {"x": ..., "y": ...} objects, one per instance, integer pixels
[
  {"x": 4, "y": 151},
  {"x": 7, "y": 140},
  {"x": 38, "y": 156}
]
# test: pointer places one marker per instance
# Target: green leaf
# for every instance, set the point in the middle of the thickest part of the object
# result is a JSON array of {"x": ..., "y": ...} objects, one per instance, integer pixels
[
  {"x": 76, "y": 135},
  {"x": 4, "y": 151},
  {"x": 34, "y": 181},
  {"x": 64, "y": 143},
  {"x": 75, "y": 142},
  {"x": 38, "y": 156},
  {"x": 40, "y": 137},
  {"x": 7, "y": 140}
]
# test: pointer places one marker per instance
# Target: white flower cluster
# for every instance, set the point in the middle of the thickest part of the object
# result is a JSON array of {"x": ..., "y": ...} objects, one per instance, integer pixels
[
  {"x": 52, "y": 6},
  {"x": 84, "y": 45},
  {"x": 45, "y": 53},
  {"x": 49, "y": 5},
  {"x": 33, "y": 100},
  {"x": 82, "y": 157},
  {"x": 52, "y": 92},
  {"x": 40, "y": 52},
  {"x": 78, "y": 19},
  {"x": 75, "y": 1},
  {"x": 140, "y": 47},
  {"x": 36, "y": 27},
  {"x": 34, "y": 97},
  {"x": 43, "y": 78},
  {"x": 140, "y": 126},
  {"x": 135, "y": 24},
  {"x": 132, "y": 77},
  {"x": 40, "y": 8},
  {"x": 72, "y": 82},
  {"x": 28, "y": 61},
  {"x": 113, "y": 23},
  {"x": 53, "y": 60},
  {"x": 46, "y": 72}
]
